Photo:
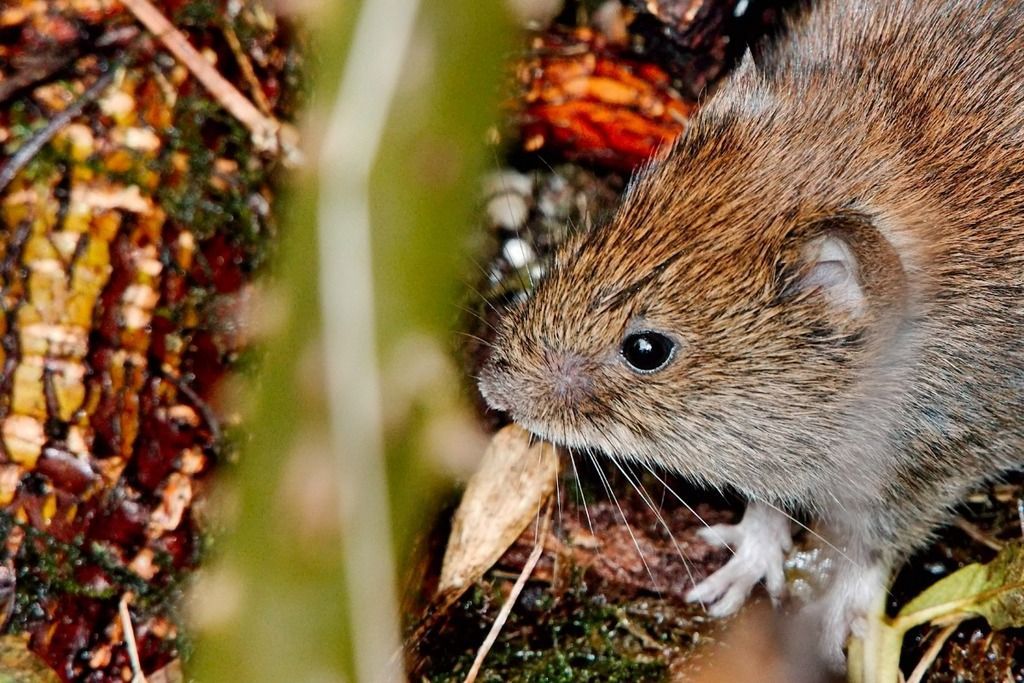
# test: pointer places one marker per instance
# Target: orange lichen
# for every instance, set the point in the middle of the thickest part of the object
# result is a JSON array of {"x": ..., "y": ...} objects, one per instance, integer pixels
[{"x": 582, "y": 100}]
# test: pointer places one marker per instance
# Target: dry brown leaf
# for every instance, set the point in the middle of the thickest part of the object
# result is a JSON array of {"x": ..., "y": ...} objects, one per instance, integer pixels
[
  {"x": 18, "y": 664},
  {"x": 502, "y": 498}
]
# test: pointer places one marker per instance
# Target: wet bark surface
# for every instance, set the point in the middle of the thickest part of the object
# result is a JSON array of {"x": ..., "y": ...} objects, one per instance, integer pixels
[{"x": 134, "y": 214}]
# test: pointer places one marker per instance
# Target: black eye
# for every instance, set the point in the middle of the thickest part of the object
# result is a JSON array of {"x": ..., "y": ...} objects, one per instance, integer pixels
[{"x": 647, "y": 351}]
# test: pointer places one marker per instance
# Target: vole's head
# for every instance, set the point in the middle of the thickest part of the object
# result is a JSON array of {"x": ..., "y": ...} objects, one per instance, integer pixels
[{"x": 720, "y": 325}]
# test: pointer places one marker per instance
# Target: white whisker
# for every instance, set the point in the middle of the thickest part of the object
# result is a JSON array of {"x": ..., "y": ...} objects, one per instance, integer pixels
[
  {"x": 642, "y": 492},
  {"x": 622, "y": 514},
  {"x": 680, "y": 499},
  {"x": 480, "y": 340},
  {"x": 477, "y": 316},
  {"x": 558, "y": 486},
  {"x": 583, "y": 498}
]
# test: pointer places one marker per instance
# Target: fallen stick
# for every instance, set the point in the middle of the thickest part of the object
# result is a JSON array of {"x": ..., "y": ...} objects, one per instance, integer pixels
[
  {"x": 265, "y": 130},
  {"x": 917, "y": 675},
  {"x": 129, "y": 639},
  {"x": 517, "y": 588},
  {"x": 31, "y": 148}
]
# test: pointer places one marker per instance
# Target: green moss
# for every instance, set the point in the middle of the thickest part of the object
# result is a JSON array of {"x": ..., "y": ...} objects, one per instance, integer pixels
[
  {"x": 23, "y": 118},
  {"x": 199, "y": 14},
  {"x": 43, "y": 165},
  {"x": 575, "y": 638},
  {"x": 49, "y": 569},
  {"x": 204, "y": 132}
]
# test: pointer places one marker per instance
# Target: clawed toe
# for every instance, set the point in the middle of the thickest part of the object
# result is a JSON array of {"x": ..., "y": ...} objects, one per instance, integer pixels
[
  {"x": 759, "y": 543},
  {"x": 725, "y": 591},
  {"x": 719, "y": 535}
]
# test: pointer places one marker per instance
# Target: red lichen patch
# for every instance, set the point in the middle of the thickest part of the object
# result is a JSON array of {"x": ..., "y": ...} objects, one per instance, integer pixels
[
  {"x": 587, "y": 103},
  {"x": 614, "y": 92}
]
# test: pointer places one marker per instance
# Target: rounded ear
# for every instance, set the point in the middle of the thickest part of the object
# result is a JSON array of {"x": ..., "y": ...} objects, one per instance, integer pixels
[{"x": 849, "y": 262}]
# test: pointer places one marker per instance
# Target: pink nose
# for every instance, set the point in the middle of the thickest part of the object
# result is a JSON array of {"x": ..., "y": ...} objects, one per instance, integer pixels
[{"x": 569, "y": 378}]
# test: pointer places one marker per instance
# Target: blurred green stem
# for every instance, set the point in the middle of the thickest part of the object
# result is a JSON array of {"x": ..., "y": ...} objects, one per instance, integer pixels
[
  {"x": 371, "y": 75},
  {"x": 372, "y": 253}
]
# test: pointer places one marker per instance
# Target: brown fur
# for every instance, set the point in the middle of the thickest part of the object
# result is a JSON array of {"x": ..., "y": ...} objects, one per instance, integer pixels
[{"x": 897, "y": 125}]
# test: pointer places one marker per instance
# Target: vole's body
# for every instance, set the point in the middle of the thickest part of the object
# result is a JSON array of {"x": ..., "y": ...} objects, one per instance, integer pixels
[{"x": 836, "y": 248}]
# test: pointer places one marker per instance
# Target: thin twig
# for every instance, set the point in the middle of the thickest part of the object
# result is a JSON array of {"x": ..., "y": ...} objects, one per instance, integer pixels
[
  {"x": 517, "y": 588},
  {"x": 31, "y": 148},
  {"x": 39, "y": 68},
  {"x": 917, "y": 675},
  {"x": 129, "y": 639},
  {"x": 36, "y": 69},
  {"x": 264, "y": 129},
  {"x": 209, "y": 417},
  {"x": 977, "y": 534},
  {"x": 245, "y": 64}
]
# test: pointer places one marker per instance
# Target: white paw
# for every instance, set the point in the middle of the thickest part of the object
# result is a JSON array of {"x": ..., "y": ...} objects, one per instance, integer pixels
[
  {"x": 855, "y": 599},
  {"x": 759, "y": 544}
]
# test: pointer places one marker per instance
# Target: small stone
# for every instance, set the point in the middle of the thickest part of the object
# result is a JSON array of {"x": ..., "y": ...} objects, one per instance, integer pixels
[{"x": 518, "y": 253}]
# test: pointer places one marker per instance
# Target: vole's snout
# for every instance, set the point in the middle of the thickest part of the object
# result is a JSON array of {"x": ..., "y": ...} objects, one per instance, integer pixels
[{"x": 534, "y": 384}]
